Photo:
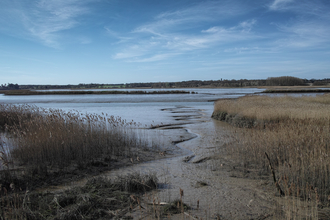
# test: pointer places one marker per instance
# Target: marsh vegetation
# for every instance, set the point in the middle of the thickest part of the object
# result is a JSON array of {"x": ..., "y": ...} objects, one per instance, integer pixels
[
  {"x": 99, "y": 198},
  {"x": 41, "y": 142},
  {"x": 46, "y": 146},
  {"x": 294, "y": 132}
]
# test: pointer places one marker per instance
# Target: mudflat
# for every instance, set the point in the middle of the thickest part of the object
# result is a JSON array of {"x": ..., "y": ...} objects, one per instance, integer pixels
[{"x": 213, "y": 185}]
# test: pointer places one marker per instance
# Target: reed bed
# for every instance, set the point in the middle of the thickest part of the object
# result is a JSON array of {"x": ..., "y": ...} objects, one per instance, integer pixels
[
  {"x": 49, "y": 143},
  {"x": 53, "y": 138},
  {"x": 99, "y": 198},
  {"x": 268, "y": 109},
  {"x": 293, "y": 131},
  {"x": 296, "y": 90}
]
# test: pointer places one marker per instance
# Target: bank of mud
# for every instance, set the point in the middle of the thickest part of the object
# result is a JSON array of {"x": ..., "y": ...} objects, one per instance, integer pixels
[{"x": 215, "y": 186}]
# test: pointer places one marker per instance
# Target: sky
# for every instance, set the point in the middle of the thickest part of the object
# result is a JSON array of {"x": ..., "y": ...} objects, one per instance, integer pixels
[{"x": 63, "y": 42}]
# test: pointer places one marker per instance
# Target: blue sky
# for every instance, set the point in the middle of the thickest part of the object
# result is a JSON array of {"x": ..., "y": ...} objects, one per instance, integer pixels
[{"x": 125, "y": 41}]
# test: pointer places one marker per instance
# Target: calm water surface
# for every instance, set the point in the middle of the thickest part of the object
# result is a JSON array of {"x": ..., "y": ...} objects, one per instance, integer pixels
[{"x": 142, "y": 108}]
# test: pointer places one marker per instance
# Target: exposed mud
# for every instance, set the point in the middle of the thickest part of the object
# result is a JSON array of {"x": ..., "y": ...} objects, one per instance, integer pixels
[
  {"x": 213, "y": 187},
  {"x": 195, "y": 163}
]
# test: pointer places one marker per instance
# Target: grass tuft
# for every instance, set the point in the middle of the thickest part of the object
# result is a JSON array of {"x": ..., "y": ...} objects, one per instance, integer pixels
[{"x": 100, "y": 198}]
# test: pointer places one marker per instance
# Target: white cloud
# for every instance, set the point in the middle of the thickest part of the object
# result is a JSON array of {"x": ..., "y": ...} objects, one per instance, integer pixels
[
  {"x": 181, "y": 31},
  {"x": 157, "y": 57},
  {"x": 249, "y": 50},
  {"x": 193, "y": 16},
  {"x": 308, "y": 26},
  {"x": 247, "y": 25},
  {"x": 125, "y": 55},
  {"x": 214, "y": 30},
  {"x": 43, "y": 19},
  {"x": 279, "y": 4},
  {"x": 178, "y": 43},
  {"x": 117, "y": 35},
  {"x": 304, "y": 34}
]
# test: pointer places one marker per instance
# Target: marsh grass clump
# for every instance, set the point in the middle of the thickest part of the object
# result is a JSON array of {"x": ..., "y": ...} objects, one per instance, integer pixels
[
  {"x": 99, "y": 198},
  {"x": 137, "y": 182},
  {"x": 11, "y": 115},
  {"x": 175, "y": 207},
  {"x": 294, "y": 132},
  {"x": 134, "y": 182},
  {"x": 42, "y": 139}
]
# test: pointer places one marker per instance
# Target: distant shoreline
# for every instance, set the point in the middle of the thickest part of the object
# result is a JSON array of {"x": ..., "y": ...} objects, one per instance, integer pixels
[
  {"x": 296, "y": 91},
  {"x": 75, "y": 92},
  {"x": 142, "y": 91}
]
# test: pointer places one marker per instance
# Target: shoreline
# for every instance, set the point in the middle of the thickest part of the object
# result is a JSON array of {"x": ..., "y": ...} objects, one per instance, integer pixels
[
  {"x": 75, "y": 92},
  {"x": 158, "y": 91}
]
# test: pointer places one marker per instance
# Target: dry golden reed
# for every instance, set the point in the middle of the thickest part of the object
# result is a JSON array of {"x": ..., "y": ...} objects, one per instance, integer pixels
[
  {"x": 277, "y": 108},
  {"x": 295, "y": 134},
  {"x": 56, "y": 138}
]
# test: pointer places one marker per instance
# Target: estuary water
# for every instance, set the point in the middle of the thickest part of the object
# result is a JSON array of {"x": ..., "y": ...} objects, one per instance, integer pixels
[{"x": 142, "y": 108}]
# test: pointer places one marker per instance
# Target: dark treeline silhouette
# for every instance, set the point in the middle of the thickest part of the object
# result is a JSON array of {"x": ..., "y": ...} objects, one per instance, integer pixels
[
  {"x": 320, "y": 82},
  {"x": 200, "y": 83},
  {"x": 284, "y": 81},
  {"x": 271, "y": 81},
  {"x": 9, "y": 86},
  {"x": 79, "y": 86}
]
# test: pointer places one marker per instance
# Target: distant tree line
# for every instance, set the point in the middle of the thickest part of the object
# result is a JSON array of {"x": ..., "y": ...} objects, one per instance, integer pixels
[
  {"x": 79, "y": 86},
  {"x": 284, "y": 81},
  {"x": 271, "y": 81},
  {"x": 320, "y": 82},
  {"x": 200, "y": 83},
  {"x": 9, "y": 86}
]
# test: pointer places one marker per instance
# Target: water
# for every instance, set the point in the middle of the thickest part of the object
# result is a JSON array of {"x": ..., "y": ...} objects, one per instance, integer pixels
[{"x": 142, "y": 108}]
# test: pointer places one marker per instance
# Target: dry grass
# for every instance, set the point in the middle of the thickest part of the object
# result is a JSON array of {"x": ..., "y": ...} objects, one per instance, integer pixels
[
  {"x": 295, "y": 133},
  {"x": 43, "y": 138},
  {"x": 267, "y": 108},
  {"x": 52, "y": 143},
  {"x": 99, "y": 198}
]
